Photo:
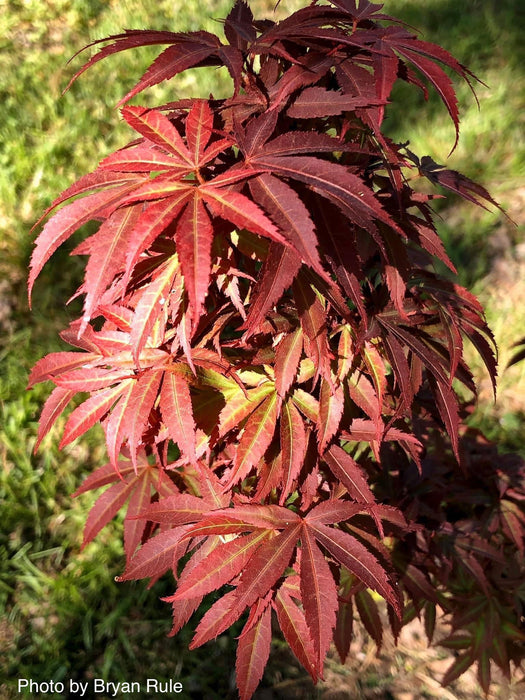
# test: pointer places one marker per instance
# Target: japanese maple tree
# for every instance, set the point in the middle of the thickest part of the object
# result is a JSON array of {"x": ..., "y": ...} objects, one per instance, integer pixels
[{"x": 273, "y": 357}]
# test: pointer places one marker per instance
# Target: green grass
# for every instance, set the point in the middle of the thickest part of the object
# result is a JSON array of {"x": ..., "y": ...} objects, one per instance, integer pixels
[{"x": 63, "y": 614}]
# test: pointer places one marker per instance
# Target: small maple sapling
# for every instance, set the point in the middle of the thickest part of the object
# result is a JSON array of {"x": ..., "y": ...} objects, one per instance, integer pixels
[{"x": 273, "y": 357}]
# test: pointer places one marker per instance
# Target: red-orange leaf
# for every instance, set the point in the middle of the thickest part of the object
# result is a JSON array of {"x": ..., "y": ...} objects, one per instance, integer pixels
[
  {"x": 239, "y": 405},
  {"x": 240, "y": 210},
  {"x": 106, "y": 507},
  {"x": 287, "y": 358},
  {"x": 245, "y": 517},
  {"x": 358, "y": 560},
  {"x": 253, "y": 651},
  {"x": 177, "y": 413},
  {"x": 293, "y": 446},
  {"x": 331, "y": 403},
  {"x": 115, "y": 425},
  {"x": 155, "y": 557},
  {"x": 349, "y": 473},
  {"x": 257, "y": 435},
  {"x": 151, "y": 304},
  {"x": 194, "y": 238},
  {"x": 266, "y": 566},
  {"x": 318, "y": 593},
  {"x": 142, "y": 159},
  {"x": 177, "y": 509},
  {"x": 152, "y": 222},
  {"x": 157, "y": 128},
  {"x": 137, "y": 413},
  {"x": 56, "y": 363},
  {"x": 199, "y": 128},
  {"x": 293, "y": 625},
  {"x": 278, "y": 272},
  {"x": 215, "y": 621},
  {"x": 290, "y": 214},
  {"x": 220, "y": 566},
  {"x": 90, "y": 378},
  {"x": 53, "y": 407},
  {"x": 65, "y": 222},
  {"x": 104, "y": 475},
  {"x": 139, "y": 499},
  {"x": 108, "y": 248},
  {"x": 90, "y": 412}
]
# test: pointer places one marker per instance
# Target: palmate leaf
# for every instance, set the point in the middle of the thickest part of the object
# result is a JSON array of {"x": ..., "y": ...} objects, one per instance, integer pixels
[
  {"x": 187, "y": 49},
  {"x": 212, "y": 623},
  {"x": 240, "y": 210},
  {"x": 318, "y": 593},
  {"x": 57, "y": 363},
  {"x": 287, "y": 357},
  {"x": 151, "y": 304},
  {"x": 156, "y": 556},
  {"x": 423, "y": 55},
  {"x": 91, "y": 378},
  {"x": 177, "y": 413},
  {"x": 176, "y": 509},
  {"x": 107, "y": 256},
  {"x": 115, "y": 425},
  {"x": 344, "y": 628},
  {"x": 361, "y": 10},
  {"x": 154, "y": 219},
  {"x": 293, "y": 440},
  {"x": 199, "y": 129},
  {"x": 456, "y": 182},
  {"x": 336, "y": 183},
  {"x": 221, "y": 565},
  {"x": 240, "y": 404},
  {"x": 252, "y": 654},
  {"x": 278, "y": 272},
  {"x": 137, "y": 409},
  {"x": 140, "y": 498},
  {"x": 320, "y": 102},
  {"x": 266, "y": 567},
  {"x": 331, "y": 404},
  {"x": 194, "y": 239},
  {"x": 158, "y": 129},
  {"x": 287, "y": 210},
  {"x": 143, "y": 159},
  {"x": 293, "y": 625},
  {"x": 64, "y": 223},
  {"x": 106, "y": 508},
  {"x": 174, "y": 60},
  {"x": 314, "y": 324},
  {"x": 127, "y": 484},
  {"x": 90, "y": 412},
  {"x": 340, "y": 249},
  {"x": 272, "y": 555},
  {"x": 52, "y": 409},
  {"x": 447, "y": 404},
  {"x": 245, "y": 517},
  {"x": 306, "y": 403},
  {"x": 349, "y": 552},
  {"x": 107, "y": 474},
  {"x": 349, "y": 473}
]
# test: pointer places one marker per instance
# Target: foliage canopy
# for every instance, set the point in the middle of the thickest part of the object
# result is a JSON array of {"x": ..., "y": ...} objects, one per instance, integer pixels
[{"x": 273, "y": 357}]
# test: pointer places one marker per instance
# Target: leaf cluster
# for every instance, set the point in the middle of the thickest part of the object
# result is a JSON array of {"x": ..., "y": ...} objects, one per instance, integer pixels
[{"x": 271, "y": 354}]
